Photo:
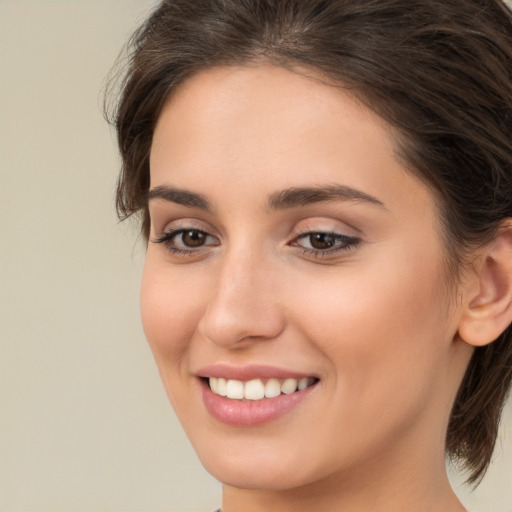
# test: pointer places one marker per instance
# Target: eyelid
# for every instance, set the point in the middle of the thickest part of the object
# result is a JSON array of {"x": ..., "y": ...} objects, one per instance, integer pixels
[
  {"x": 167, "y": 237},
  {"x": 323, "y": 224},
  {"x": 172, "y": 238},
  {"x": 161, "y": 226},
  {"x": 335, "y": 234},
  {"x": 170, "y": 233},
  {"x": 344, "y": 242}
]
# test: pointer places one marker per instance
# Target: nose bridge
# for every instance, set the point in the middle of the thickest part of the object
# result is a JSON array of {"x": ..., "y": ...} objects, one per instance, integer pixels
[{"x": 243, "y": 304}]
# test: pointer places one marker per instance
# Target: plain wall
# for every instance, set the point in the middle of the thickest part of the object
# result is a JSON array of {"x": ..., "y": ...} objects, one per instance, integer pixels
[{"x": 84, "y": 421}]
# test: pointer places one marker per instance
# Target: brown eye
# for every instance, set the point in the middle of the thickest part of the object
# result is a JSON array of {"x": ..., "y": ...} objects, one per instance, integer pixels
[
  {"x": 187, "y": 241},
  {"x": 322, "y": 241},
  {"x": 193, "y": 238},
  {"x": 324, "y": 244}
]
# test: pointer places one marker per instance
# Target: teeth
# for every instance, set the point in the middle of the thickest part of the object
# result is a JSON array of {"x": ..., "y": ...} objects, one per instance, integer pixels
[
  {"x": 304, "y": 383},
  {"x": 272, "y": 388},
  {"x": 214, "y": 385},
  {"x": 222, "y": 387},
  {"x": 235, "y": 389},
  {"x": 289, "y": 386},
  {"x": 255, "y": 389}
]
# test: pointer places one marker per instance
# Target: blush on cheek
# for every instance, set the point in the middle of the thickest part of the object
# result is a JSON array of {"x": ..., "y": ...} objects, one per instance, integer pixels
[
  {"x": 163, "y": 317},
  {"x": 166, "y": 331}
]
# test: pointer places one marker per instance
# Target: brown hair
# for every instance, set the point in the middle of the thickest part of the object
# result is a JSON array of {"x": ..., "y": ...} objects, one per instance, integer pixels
[{"x": 439, "y": 71}]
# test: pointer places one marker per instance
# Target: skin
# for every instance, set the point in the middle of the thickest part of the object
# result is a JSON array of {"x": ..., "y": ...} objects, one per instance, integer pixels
[{"x": 376, "y": 322}]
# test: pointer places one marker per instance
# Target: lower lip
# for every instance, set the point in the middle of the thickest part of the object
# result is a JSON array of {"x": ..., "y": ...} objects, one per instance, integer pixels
[{"x": 247, "y": 413}]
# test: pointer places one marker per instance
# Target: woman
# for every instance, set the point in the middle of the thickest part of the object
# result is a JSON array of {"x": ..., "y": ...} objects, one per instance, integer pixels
[{"x": 325, "y": 188}]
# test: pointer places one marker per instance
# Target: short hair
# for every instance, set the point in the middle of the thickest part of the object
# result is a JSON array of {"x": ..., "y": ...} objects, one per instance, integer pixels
[{"x": 438, "y": 71}]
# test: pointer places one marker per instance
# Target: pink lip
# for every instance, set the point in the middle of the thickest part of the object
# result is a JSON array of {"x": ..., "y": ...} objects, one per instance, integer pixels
[
  {"x": 246, "y": 413},
  {"x": 249, "y": 372}
]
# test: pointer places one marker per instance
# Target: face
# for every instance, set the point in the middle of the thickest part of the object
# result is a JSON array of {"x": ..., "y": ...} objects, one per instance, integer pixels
[{"x": 297, "y": 267}]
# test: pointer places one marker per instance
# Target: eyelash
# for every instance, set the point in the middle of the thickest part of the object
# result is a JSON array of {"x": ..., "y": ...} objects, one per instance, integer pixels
[
  {"x": 347, "y": 242},
  {"x": 167, "y": 239}
]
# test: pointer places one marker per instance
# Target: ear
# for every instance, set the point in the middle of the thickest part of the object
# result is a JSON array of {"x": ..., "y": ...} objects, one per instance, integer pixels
[{"x": 487, "y": 292}]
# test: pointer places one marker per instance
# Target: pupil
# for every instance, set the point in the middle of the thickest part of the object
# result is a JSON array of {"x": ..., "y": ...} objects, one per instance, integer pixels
[
  {"x": 322, "y": 240},
  {"x": 193, "y": 238}
]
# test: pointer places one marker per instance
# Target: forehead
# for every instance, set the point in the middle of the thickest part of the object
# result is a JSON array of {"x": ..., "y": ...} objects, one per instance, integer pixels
[
  {"x": 256, "y": 96},
  {"x": 265, "y": 128}
]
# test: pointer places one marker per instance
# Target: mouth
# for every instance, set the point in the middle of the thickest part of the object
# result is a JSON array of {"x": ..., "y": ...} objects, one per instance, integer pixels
[
  {"x": 255, "y": 401},
  {"x": 255, "y": 394},
  {"x": 257, "y": 389}
]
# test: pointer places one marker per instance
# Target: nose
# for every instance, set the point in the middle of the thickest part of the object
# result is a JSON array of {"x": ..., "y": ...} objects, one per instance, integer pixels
[{"x": 243, "y": 305}]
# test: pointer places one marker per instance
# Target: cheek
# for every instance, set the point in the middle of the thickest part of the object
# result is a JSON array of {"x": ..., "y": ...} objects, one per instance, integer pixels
[
  {"x": 170, "y": 310},
  {"x": 383, "y": 328}
]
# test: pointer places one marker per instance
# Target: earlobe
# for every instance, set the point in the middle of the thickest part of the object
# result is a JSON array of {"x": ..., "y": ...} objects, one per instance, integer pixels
[{"x": 488, "y": 293}]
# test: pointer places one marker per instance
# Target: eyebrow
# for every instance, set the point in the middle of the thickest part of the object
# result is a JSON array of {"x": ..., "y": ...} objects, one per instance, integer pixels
[
  {"x": 302, "y": 196},
  {"x": 180, "y": 196},
  {"x": 282, "y": 200}
]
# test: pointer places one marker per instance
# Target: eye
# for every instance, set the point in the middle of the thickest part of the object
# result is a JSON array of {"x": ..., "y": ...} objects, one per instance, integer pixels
[
  {"x": 321, "y": 244},
  {"x": 321, "y": 241},
  {"x": 192, "y": 238},
  {"x": 186, "y": 240}
]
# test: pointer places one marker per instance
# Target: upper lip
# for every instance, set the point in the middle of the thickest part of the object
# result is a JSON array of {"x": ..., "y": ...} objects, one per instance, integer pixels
[{"x": 249, "y": 372}]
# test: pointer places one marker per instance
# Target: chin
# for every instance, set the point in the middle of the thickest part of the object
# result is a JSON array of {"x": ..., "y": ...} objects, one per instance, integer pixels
[
  {"x": 247, "y": 475},
  {"x": 259, "y": 467}
]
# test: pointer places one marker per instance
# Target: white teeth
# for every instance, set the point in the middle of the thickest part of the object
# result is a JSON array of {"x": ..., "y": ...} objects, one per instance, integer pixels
[
  {"x": 255, "y": 389},
  {"x": 272, "y": 388},
  {"x": 222, "y": 387},
  {"x": 303, "y": 383},
  {"x": 214, "y": 385},
  {"x": 235, "y": 389},
  {"x": 289, "y": 386}
]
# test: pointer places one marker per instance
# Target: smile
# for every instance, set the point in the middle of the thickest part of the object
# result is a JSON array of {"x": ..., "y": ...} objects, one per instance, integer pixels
[
  {"x": 250, "y": 401},
  {"x": 257, "y": 389}
]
